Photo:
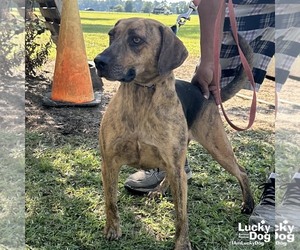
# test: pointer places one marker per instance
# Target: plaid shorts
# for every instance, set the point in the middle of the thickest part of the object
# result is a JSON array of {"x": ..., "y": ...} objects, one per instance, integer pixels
[
  {"x": 287, "y": 38},
  {"x": 256, "y": 23}
]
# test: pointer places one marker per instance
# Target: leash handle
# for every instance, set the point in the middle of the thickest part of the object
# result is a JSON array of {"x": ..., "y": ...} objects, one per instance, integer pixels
[
  {"x": 217, "y": 74},
  {"x": 182, "y": 18}
]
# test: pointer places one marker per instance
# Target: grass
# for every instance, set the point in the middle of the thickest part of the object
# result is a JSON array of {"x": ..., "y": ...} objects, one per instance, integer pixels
[
  {"x": 97, "y": 24},
  {"x": 12, "y": 190},
  {"x": 65, "y": 203}
]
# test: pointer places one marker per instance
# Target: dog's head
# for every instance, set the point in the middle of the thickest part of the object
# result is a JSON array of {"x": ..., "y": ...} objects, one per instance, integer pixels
[{"x": 140, "y": 50}]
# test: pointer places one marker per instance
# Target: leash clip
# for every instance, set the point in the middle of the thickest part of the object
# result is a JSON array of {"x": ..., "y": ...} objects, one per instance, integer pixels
[{"x": 181, "y": 19}]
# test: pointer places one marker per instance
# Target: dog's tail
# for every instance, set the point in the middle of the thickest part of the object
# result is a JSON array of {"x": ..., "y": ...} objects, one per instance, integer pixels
[{"x": 240, "y": 80}]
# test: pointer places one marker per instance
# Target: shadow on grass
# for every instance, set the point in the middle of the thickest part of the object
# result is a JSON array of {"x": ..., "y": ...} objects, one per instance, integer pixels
[
  {"x": 95, "y": 19},
  {"x": 96, "y": 28}
]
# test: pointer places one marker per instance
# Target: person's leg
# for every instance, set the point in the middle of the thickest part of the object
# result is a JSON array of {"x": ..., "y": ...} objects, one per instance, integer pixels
[
  {"x": 256, "y": 24},
  {"x": 288, "y": 211},
  {"x": 265, "y": 210},
  {"x": 287, "y": 40}
]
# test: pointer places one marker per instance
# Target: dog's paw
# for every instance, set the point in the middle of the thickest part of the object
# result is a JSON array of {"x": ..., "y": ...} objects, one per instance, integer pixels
[
  {"x": 112, "y": 232},
  {"x": 157, "y": 194},
  {"x": 247, "y": 208},
  {"x": 184, "y": 246}
]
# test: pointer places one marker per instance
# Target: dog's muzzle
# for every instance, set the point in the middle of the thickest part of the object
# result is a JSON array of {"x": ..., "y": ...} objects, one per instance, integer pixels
[{"x": 111, "y": 71}]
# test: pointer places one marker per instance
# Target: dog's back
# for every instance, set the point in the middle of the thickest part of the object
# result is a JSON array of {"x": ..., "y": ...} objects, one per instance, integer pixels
[
  {"x": 191, "y": 99},
  {"x": 190, "y": 95}
]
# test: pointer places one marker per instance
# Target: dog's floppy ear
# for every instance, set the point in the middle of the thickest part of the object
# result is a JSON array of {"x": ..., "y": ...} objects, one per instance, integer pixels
[{"x": 172, "y": 51}]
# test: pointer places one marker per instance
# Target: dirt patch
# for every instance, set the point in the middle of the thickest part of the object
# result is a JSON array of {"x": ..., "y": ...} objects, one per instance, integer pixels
[
  {"x": 82, "y": 121},
  {"x": 85, "y": 121},
  {"x": 12, "y": 104}
]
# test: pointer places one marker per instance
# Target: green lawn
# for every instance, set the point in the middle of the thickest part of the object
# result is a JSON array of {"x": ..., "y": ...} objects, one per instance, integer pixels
[
  {"x": 65, "y": 203},
  {"x": 12, "y": 189},
  {"x": 64, "y": 196},
  {"x": 97, "y": 24}
]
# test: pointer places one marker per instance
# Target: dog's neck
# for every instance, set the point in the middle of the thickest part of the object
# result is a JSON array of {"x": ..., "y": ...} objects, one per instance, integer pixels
[
  {"x": 156, "y": 81},
  {"x": 149, "y": 85}
]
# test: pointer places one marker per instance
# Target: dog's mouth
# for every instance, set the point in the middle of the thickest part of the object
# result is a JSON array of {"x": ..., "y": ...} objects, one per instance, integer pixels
[
  {"x": 130, "y": 75},
  {"x": 116, "y": 75}
]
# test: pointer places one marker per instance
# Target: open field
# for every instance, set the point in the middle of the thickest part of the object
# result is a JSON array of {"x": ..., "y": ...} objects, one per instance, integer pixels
[
  {"x": 64, "y": 196},
  {"x": 96, "y": 25}
]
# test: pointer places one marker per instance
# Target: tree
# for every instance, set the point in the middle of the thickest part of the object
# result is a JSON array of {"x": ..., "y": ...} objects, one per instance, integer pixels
[
  {"x": 138, "y": 5},
  {"x": 128, "y": 6},
  {"x": 4, "y": 9},
  {"x": 181, "y": 7},
  {"x": 11, "y": 48},
  {"x": 119, "y": 8},
  {"x": 147, "y": 7}
]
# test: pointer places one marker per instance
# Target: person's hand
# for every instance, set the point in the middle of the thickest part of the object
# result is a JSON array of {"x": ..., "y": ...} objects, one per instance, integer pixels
[{"x": 204, "y": 78}]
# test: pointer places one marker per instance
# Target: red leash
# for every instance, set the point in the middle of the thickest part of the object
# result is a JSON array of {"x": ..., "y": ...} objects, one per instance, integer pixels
[{"x": 217, "y": 71}]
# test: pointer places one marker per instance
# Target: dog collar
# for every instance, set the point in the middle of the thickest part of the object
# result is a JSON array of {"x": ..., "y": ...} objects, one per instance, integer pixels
[{"x": 149, "y": 85}]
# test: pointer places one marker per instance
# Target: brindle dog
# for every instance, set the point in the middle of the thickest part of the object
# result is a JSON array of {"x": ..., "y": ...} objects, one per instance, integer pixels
[{"x": 152, "y": 117}]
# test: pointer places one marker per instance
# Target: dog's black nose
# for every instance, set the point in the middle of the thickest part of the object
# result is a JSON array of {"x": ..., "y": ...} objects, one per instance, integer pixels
[{"x": 101, "y": 61}]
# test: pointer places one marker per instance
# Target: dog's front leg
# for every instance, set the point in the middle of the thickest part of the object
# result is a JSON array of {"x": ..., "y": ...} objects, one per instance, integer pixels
[
  {"x": 178, "y": 184},
  {"x": 110, "y": 174}
]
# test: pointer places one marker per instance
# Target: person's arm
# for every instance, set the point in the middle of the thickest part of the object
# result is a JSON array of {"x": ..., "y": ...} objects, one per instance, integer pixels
[{"x": 208, "y": 11}]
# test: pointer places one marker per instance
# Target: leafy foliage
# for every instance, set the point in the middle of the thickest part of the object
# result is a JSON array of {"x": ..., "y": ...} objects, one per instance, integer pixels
[
  {"x": 11, "y": 52},
  {"x": 37, "y": 50},
  {"x": 128, "y": 6},
  {"x": 139, "y": 6}
]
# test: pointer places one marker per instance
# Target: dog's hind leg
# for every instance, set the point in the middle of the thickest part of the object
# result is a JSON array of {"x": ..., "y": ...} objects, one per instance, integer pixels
[
  {"x": 110, "y": 174},
  {"x": 209, "y": 131}
]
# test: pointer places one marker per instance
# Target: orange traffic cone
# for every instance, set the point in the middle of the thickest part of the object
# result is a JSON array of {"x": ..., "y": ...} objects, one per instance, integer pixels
[{"x": 72, "y": 84}]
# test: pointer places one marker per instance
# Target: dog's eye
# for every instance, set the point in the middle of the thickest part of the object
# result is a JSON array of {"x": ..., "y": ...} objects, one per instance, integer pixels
[
  {"x": 111, "y": 32},
  {"x": 111, "y": 35},
  {"x": 136, "y": 40}
]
